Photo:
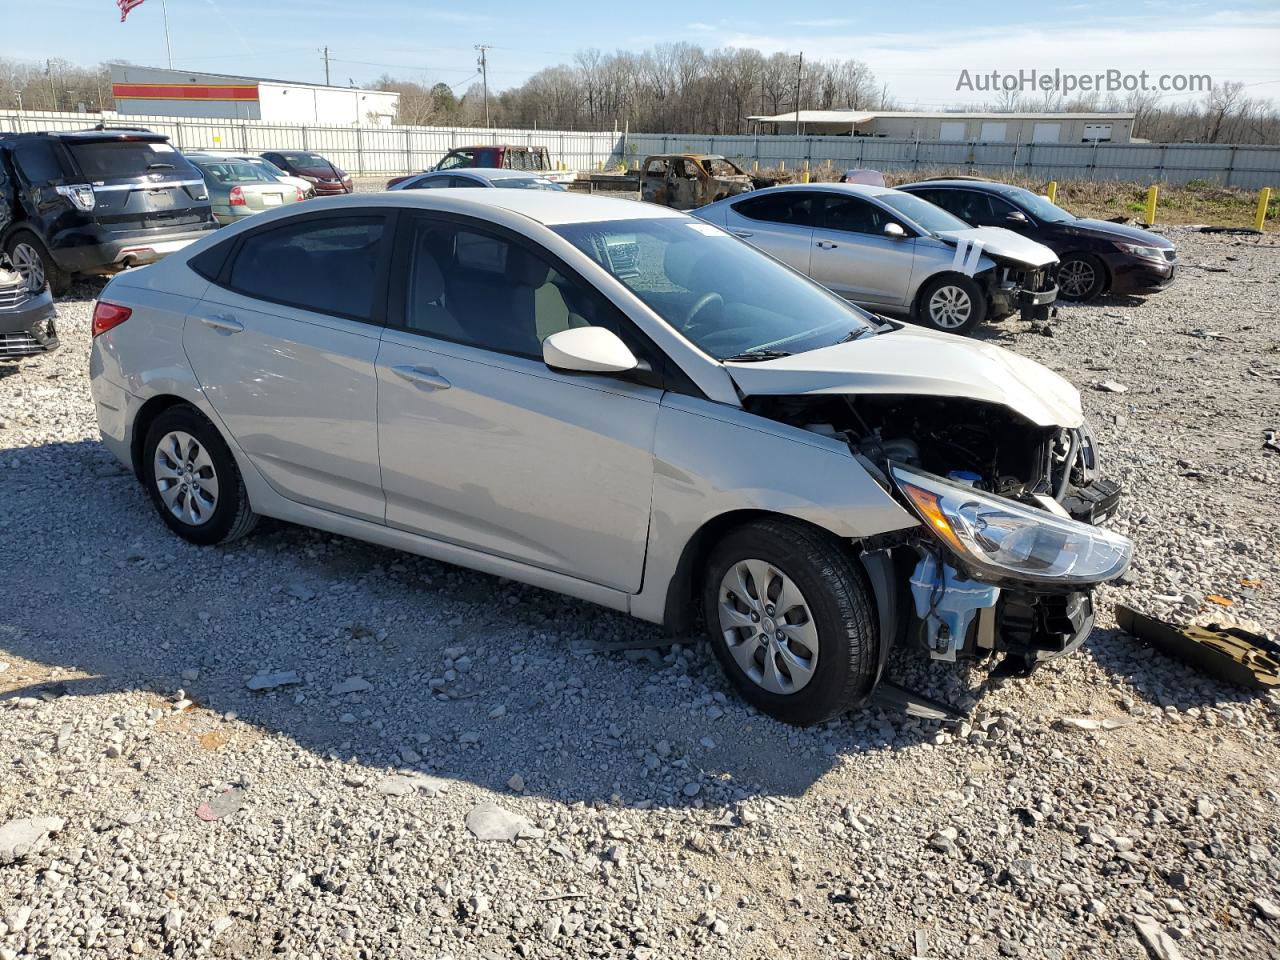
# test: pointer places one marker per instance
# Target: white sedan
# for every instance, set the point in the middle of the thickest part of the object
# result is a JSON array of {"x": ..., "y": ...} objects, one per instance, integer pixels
[{"x": 622, "y": 403}]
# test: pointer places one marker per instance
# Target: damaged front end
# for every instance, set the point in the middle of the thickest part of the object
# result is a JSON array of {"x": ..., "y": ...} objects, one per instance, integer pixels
[{"x": 1008, "y": 549}]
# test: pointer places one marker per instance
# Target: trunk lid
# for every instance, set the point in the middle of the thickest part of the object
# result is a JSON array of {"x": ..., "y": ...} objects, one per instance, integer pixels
[{"x": 139, "y": 183}]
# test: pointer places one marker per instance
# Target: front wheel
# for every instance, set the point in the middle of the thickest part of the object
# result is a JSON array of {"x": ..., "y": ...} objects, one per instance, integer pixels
[
  {"x": 1081, "y": 277},
  {"x": 790, "y": 618},
  {"x": 952, "y": 304},
  {"x": 193, "y": 480}
]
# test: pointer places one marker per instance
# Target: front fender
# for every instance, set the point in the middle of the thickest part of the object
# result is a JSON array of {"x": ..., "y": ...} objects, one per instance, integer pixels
[{"x": 711, "y": 460}]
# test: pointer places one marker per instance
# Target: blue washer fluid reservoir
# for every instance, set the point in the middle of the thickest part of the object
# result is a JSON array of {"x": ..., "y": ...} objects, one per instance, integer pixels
[
  {"x": 967, "y": 477},
  {"x": 946, "y": 600}
]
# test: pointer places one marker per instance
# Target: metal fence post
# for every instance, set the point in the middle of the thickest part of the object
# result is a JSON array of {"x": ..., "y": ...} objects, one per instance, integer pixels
[
  {"x": 359, "y": 151},
  {"x": 306, "y": 145},
  {"x": 1231, "y": 166},
  {"x": 244, "y": 137}
]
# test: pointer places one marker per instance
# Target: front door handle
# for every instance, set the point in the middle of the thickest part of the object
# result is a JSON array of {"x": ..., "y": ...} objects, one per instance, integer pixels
[
  {"x": 223, "y": 324},
  {"x": 742, "y": 233},
  {"x": 827, "y": 245},
  {"x": 426, "y": 377}
]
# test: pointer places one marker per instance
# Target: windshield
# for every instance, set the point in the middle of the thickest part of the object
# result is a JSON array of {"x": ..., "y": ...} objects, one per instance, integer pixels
[
  {"x": 121, "y": 159},
  {"x": 719, "y": 167},
  {"x": 306, "y": 159},
  {"x": 725, "y": 296},
  {"x": 233, "y": 171},
  {"x": 1039, "y": 207},
  {"x": 525, "y": 183},
  {"x": 922, "y": 212}
]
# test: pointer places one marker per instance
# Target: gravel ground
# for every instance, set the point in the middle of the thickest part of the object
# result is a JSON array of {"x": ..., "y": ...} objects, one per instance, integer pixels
[{"x": 153, "y": 804}]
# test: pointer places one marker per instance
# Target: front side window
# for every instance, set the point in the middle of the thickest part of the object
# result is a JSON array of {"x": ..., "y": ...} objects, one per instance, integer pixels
[
  {"x": 481, "y": 289},
  {"x": 656, "y": 168},
  {"x": 723, "y": 295},
  {"x": 853, "y": 215},
  {"x": 720, "y": 167},
  {"x": 459, "y": 158},
  {"x": 327, "y": 265},
  {"x": 794, "y": 207}
]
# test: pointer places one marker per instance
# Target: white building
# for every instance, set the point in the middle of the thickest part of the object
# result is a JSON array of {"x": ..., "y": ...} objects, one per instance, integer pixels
[
  {"x": 960, "y": 127},
  {"x": 154, "y": 92}
]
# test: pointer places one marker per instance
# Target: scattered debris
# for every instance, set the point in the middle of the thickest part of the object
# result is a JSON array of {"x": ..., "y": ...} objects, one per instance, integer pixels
[
  {"x": 1232, "y": 654},
  {"x": 1208, "y": 334},
  {"x": 223, "y": 805},
  {"x": 404, "y": 784},
  {"x": 1264, "y": 376},
  {"x": 1159, "y": 944},
  {"x": 1270, "y": 441},
  {"x": 1220, "y": 600},
  {"x": 1267, "y": 909},
  {"x": 269, "y": 681},
  {"x": 1110, "y": 386},
  {"x": 350, "y": 685},
  {"x": 21, "y": 838}
]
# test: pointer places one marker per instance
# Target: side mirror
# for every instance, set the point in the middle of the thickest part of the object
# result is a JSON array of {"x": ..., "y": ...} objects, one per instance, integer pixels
[
  {"x": 894, "y": 231},
  {"x": 588, "y": 350},
  {"x": 1016, "y": 216}
]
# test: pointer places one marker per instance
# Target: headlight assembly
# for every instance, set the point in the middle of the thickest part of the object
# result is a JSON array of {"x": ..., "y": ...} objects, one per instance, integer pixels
[
  {"x": 997, "y": 538},
  {"x": 1138, "y": 250}
]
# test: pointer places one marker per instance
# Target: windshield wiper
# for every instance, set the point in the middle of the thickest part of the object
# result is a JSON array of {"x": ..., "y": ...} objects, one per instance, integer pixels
[
  {"x": 853, "y": 335},
  {"x": 752, "y": 356}
]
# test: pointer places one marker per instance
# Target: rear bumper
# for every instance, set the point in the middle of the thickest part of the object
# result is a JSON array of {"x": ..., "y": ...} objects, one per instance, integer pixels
[
  {"x": 28, "y": 329},
  {"x": 107, "y": 254}
]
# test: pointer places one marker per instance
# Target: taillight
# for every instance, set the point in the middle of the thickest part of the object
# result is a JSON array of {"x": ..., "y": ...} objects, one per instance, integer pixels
[
  {"x": 237, "y": 197},
  {"x": 108, "y": 315}
]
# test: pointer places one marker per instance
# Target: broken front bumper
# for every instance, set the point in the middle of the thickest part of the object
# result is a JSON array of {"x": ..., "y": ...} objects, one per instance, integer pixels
[{"x": 28, "y": 329}]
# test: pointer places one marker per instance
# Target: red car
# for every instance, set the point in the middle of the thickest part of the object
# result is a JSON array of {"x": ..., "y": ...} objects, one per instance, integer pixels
[{"x": 327, "y": 179}]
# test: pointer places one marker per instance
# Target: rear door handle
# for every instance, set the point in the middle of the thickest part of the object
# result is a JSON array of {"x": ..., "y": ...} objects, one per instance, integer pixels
[
  {"x": 223, "y": 324},
  {"x": 827, "y": 245},
  {"x": 426, "y": 377},
  {"x": 742, "y": 233}
]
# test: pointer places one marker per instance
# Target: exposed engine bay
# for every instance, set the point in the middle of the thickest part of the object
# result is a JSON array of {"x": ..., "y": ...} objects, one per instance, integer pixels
[{"x": 958, "y": 611}]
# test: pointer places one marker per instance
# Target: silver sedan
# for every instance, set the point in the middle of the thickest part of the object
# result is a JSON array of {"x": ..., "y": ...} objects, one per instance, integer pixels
[
  {"x": 478, "y": 177},
  {"x": 621, "y": 403}
]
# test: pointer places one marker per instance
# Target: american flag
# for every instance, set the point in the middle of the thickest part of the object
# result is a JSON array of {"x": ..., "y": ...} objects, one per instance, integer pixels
[{"x": 125, "y": 6}]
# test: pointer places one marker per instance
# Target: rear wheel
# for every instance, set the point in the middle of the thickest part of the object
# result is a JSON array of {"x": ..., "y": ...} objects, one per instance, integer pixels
[
  {"x": 193, "y": 479},
  {"x": 790, "y": 618},
  {"x": 952, "y": 304},
  {"x": 32, "y": 259},
  {"x": 1081, "y": 277}
]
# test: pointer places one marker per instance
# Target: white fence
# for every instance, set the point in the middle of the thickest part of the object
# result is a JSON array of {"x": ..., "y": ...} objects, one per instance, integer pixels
[{"x": 391, "y": 150}]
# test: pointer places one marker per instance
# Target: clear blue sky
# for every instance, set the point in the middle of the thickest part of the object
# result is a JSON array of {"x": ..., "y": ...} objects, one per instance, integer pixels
[{"x": 917, "y": 48}]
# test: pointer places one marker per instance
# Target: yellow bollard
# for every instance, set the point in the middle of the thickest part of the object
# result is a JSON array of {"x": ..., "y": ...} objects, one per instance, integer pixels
[
  {"x": 755, "y": 166},
  {"x": 1264, "y": 201},
  {"x": 782, "y": 166},
  {"x": 1153, "y": 193},
  {"x": 1052, "y": 191},
  {"x": 804, "y": 173}
]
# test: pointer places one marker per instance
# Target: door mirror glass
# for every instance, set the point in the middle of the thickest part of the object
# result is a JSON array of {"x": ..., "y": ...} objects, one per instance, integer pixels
[
  {"x": 1016, "y": 217},
  {"x": 588, "y": 350},
  {"x": 894, "y": 230}
]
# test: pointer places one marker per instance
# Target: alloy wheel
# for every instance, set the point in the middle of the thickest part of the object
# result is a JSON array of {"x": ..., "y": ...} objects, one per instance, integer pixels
[
  {"x": 28, "y": 262},
  {"x": 185, "y": 477},
  {"x": 950, "y": 307},
  {"x": 767, "y": 626},
  {"x": 1076, "y": 278}
]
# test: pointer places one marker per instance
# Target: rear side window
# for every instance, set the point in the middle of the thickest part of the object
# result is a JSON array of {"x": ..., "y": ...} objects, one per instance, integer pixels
[
  {"x": 791, "y": 207},
  {"x": 125, "y": 159},
  {"x": 327, "y": 265},
  {"x": 38, "y": 161}
]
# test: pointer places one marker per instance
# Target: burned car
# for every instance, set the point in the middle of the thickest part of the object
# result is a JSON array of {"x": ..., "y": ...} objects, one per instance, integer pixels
[
  {"x": 685, "y": 181},
  {"x": 893, "y": 252},
  {"x": 639, "y": 411},
  {"x": 26, "y": 315}
]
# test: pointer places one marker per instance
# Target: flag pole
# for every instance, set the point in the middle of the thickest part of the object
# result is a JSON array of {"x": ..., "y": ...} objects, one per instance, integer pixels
[{"x": 168, "y": 49}]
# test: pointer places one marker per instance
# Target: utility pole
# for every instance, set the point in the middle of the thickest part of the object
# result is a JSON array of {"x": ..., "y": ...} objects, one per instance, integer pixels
[
  {"x": 53, "y": 94},
  {"x": 484, "y": 77},
  {"x": 325, "y": 54},
  {"x": 799, "y": 74}
]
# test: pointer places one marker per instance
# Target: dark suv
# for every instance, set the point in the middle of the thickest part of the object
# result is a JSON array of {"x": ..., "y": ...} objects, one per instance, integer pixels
[
  {"x": 95, "y": 201},
  {"x": 1095, "y": 255}
]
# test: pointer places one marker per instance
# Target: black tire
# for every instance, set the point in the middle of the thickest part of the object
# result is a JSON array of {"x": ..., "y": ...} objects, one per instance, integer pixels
[
  {"x": 836, "y": 594},
  {"x": 1075, "y": 267},
  {"x": 231, "y": 516},
  {"x": 927, "y": 316},
  {"x": 59, "y": 280}
]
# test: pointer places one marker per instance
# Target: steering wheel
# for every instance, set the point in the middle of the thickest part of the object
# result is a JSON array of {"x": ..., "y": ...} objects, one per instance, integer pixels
[{"x": 702, "y": 303}]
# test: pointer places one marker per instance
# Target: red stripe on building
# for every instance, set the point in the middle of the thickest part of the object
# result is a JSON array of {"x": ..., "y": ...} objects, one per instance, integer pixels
[{"x": 184, "y": 91}]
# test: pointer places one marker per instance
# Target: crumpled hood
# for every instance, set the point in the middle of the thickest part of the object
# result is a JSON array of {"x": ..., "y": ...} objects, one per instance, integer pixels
[
  {"x": 1118, "y": 231},
  {"x": 1003, "y": 243},
  {"x": 916, "y": 362}
]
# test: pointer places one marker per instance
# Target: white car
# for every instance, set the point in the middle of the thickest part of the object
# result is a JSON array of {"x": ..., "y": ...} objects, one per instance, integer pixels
[
  {"x": 266, "y": 166},
  {"x": 622, "y": 403}
]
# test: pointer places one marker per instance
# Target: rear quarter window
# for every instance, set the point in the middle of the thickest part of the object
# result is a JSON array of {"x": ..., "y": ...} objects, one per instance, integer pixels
[{"x": 38, "y": 161}]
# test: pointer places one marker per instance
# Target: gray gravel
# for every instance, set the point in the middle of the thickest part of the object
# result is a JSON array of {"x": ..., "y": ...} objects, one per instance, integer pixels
[{"x": 302, "y": 746}]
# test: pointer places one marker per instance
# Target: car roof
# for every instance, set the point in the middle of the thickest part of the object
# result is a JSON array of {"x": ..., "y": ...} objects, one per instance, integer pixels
[
  {"x": 859, "y": 189},
  {"x": 492, "y": 173},
  {"x": 548, "y": 207},
  {"x": 968, "y": 184},
  {"x": 94, "y": 136},
  {"x": 687, "y": 156},
  {"x": 499, "y": 146}
]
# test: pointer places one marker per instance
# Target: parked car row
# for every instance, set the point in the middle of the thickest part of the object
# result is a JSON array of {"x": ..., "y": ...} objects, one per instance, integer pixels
[{"x": 638, "y": 409}]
